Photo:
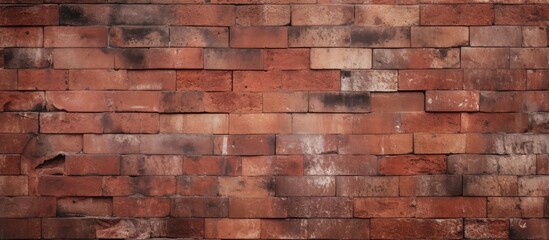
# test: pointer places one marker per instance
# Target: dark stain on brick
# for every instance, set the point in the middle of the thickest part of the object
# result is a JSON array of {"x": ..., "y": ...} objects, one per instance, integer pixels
[
  {"x": 370, "y": 36},
  {"x": 27, "y": 58},
  {"x": 40, "y": 107},
  {"x": 346, "y": 74},
  {"x": 143, "y": 34},
  {"x": 141, "y": 14},
  {"x": 72, "y": 15},
  {"x": 189, "y": 148},
  {"x": 8, "y": 56},
  {"x": 270, "y": 185},
  {"x": 547, "y": 207},
  {"x": 106, "y": 121},
  {"x": 443, "y": 52},
  {"x": 348, "y": 100},
  {"x": 134, "y": 58}
]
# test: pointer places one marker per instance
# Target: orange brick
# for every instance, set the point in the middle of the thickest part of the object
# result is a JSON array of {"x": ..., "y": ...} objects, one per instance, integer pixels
[
  {"x": 151, "y": 165},
  {"x": 204, "y": 15},
  {"x": 17, "y": 15},
  {"x": 484, "y": 57},
  {"x": 449, "y": 36},
  {"x": 519, "y": 15},
  {"x": 325, "y": 123},
  {"x": 375, "y": 207},
  {"x": 141, "y": 207},
  {"x": 530, "y": 58},
  {"x": 397, "y": 102},
  {"x": 263, "y": 123},
  {"x": 75, "y": 37},
  {"x": 362, "y": 186},
  {"x": 322, "y": 14},
  {"x": 534, "y": 36},
  {"x": 92, "y": 165},
  {"x": 185, "y": 36},
  {"x": 233, "y": 102},
  {"x": 212, "y": 165},
  {"x": 287, "y": 59},
  {"x": 452, "y": 101},
  {"x": 500, "y": 79},
  {"x": 33, "y": 79},
  {"x": 196, "y": 80},
  {"x": 22, "y": 101},
  {"x": 304, "y": 80},
  {"x": 197, "y": 186},
  {"x": 341, "y": 58},
  {"x": 152, "y": 80},
  {"x": 137, "y": 101},
  {"x": 369, "y": 80},
  {"x": 457, "y": 14},
  {"x": 130, "y": 122},
  {"x": 439, "y": 143},
  {"x": 494, "y": 122},
  {"x": 484, "y": 143},
  {"x": 131, "y": 58},
  {"x": 98, "y": 80},
  {"x": 21, "y": 37},
  {"x": 450, "y": 207},
  {"x": 194, "y": 123},
  {"x": 233, "y": 228},
  {"x": 285, "y": 101},
  {"x": 380, "y": 36},
  {"x": 496, "y": 36},
  {"x": 71, "y": 123},
  {"x": 430, "y": 122},
  {"x": 246, "y": 186},
  {"x": 306, "y": 144},
  {"x": 72, "y": 58},
  {"x": 294, "y": 186},
  {"x": 272, "y": 165},
  {"x": 376, "y": 144},
  {"x": 259, "y": 37},
  {"x": 244, "y": 145},
  {"x": 176, "y": 58},
  {"x": 284, "y": 228},
  {"x": 415, "y": 58},
  {"x": 225, "y": 58},
  {"x": 412, "y": 165},
  {"x": 376, "y": 123},
  {"x": 28, "y": 58},
  {"x": 139, "y": 37},
  {"x": 258, "y": 207},
  {"x": 444, "y": 79},
  {"x": 319, "y": 36},
  {"x": 369, "y": 15},
  {"x": 340, "y": 165},
  {"x": 263, "y": 15}
]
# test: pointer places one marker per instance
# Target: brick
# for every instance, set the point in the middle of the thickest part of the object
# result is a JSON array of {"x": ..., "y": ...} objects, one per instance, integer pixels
[
  {"x": 489, "y": 185},
  {"x": 530, "y": 58},
  {"x": 9, "y": 79},
  {"x": 200, "y": 207},
  {"x": 339, "y": 102},
  {"x": 485, "y": 143},
  {"x": 111, "y": 143},
  {"x": 176, "y": 58},
  {"x": 285, "y": 101},
  {"x": 322, "y": 14},
  {"x": 139, "y": 37},
  {"x": 376, "y": 15},
  {"x": 412, "y": 165},
  {"x": 341, "y": 58},
  {"x": 379, "y": 36},
  {"x": 303, "y": 80},
  {"x": 286, "y": 59},
  {"x": 78, "y": 101},
  {"x": 60, "y": 186},
  {"x": 68, "y": 228},
  {"x": 376, "y": 144},
  {"x": 284, "y": 228},
  {"x": 526, "y": 144},
  {"x": 212, "y": 165},
  {"x": 81, "y": 207},
  {"x": 500, "y": 79},
  {"x": 326, "y": 123},
  {"x": 141, "y": 207},
  {"x": 197, "y": 186},
  {"x": 14, "y": 186},
  {"x": 185, "y": 227},
  {"x": 492, "y": 164},
  {"x": 153, "y": 185},
  {"x": 397, "y": 102},
  {"x": 534, "y": 36},
  {"x": 117, "y": 186},
  {"x": 194, "y": 123},
  {"x": 340, "y": 165},
  {"x": 484, "y": 57},
  {"x": 486, "y": 228},
  {"x": 450, "y": 37},
  {"x": 204, "y": 15},
  {"x": 533, "y": 185},
  {"x": 21, "y": 37},
  {"x": 528, "y": 228},
  {"x": 408, "y": 58},
  {"x": 376, "y": 123},
  {"x": 177, "y": 102},
  {"x": 414, "y": 122},
  {"x": 12, "y": 228},
  {"x": 75, "y": 37},
  {"x": 450, "y": 207},
  {"x": 452, "y": 101},
  {"x": 439, "y": 143},
  {"x": 305, "y": 186},
  {"x": 263, "y": 123},
  {"x": 272, "y": 165},
  {"x": 199, "y": 36},
  {"x": 519, "y": 15},
  {"x": 233, "y": 228},
  {"x": 26, "y": 207},
  {"x": 92, "y": 165},
  {"x": 515, "y": 207},
  {"x": 259, "y": 37},
  {"x": 151, "y": 80},
  {"x": 73, "y": 58},
  {"x": 494, "y": 122},
  {"x": 496, "y": 36},
  {"x": 444, "y": 79},
  {"x": 135, "y": 228},
  {"x": 98, "y": 80},
  {"x": 190, "y": 145},
  {"x": 503, "y": 102},
  {"x": 457, "y": 14},
  {"x": 376, "y": 207},
  {"x": 143, "y": 101},
  {"x": 244, "y": 145},
  {"x": 258, "y": 207},
  {"x": 27, "y": 58},
  {"x": 19, "y": 122},
  {"x": 306, "y": 144},
  {"x": 431, "y": 185},
  {"x": 539, "y": 123},
  {"x": 338, "y": 228},
  {"x": 42, "y": 147},
  {"x": 361, "y": 186},
  {"x": 84, "y": 14},
  {"x": 319, "y": 36},
  {"x": 17, "y": 15},
  {"x": 151, "y": 165},
  {"x": 10, "y": 164},
  {"x": 130, "y": 122},
  {"x": 237, "y": 59},
  {"x": 542, "y": 164},
  {"x": 263, "y": 15},
  {"x": 42, "y": 79},
  {"x": 320, "y": 207},
  {"x": 537, "y": 79},
  {"x": 369, "y": 80},
  {"x": 133, "y": 58},
  {"x": 416, "y": 228},
  {"x": 195, "y": 80},
  {"x": 246, "y": 186}
]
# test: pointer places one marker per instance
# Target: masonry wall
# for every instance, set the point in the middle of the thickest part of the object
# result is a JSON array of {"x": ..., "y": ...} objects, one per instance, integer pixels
[{"x": 274, "y": 119}]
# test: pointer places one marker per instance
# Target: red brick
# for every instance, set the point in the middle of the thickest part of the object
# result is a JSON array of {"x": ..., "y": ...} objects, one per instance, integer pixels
[
  {"x": 439, "y": 143},
  {"x": 75, "y": 37},
  {"x": 304, "y": 80},
  {"x": 197, "y": 186},
  {"x": 259, "y": 123},
  {"x": 486, "y": 228},
  {"x": 142, "y": 101},
  {"x": 14, "y": 186},
  {"x": 306, "y": 144},
  {"x": 525, "y": 144},
  {"x": 286, "y": 59},
  {"x": 263, "y": 15},
  {"x": 416, "y": 228},
  {"x": 155, "y": 186},
  {"x": 21, "y": 37},
  {"x": 204, "y": 15},
  {"x": 259, "y": 37},
  {"x": 360, "y": 186},
  {"x": 92, "y": 165},
  {"x": 369, "y": 15},
  {"x": 72, "y": 58},
  {"x": 111, "y": 143},
  {"x": 9, "y": 79},
  {"x": 485, "y": 143},
  {"x": 492, "y": 164},
  {"x": 534, "y": 36},
  {"x": 383, "y": 207},
  {"x": 246, "y": 186},
  {"x": 42, "y": 79},
  {"x": 326, "y": 123},
  {"x": 244, "y": 145},
  {"x": 398, "y": 102},
  {"x": 529, "y": 228},
  {"x": 139, "y": 37},
  {"x": 200, "y": 207},
  {"x": 305, "y": 186},
  {"x": 194, "y": 123},
  {"x": 416, "y": 58},
  {"x": 320, "y": 207},
  {"x": 25, "y": 207},
  {"x": 484, "y": 57},
  {"x": 369, "y": 80},
  {"x": 322, "y": 14},
  {"x": 500, "y": 79},
  {"x": 212, "y": 165},
  {"x": 535, "y": 15},
  {"x": 341, "y": 58},
  {"x": 412, "y": 165},
  {"x": 233, "y": 228},
  {"x": 515, "y": 207},
  {"x": 457, "y": 14},
  {"x": 378, "y": 36},
  {"x": 376, "y": 144},
  {"x": 141, "y": 207},
  {"x": 238, "y": 59},
  {"x": 339, "y": 102},
  {"x": 430, "y": 122},
  {"x": 185, "y": 228},
  {"x": 490, "y": 186},
  {"x": 176, "y": 58},
  {"x": 503, "y": 102},
  {"x": 533, "y": 185},
  {"x": 10, "y": 164},
  {"x": 450, "y": 207},
  {"x": 68, "y": 228},
  {"x": 272, "y": 165},
  {"x": 81, "y": 207},
  {"x": 98, "y": 80},
  {"x": 59, "y": 186},
  {"x": 452, "y": 101},
  {"x": 258, "y": 207},
  {"x": 19, "y": 122},
  {"x": 151, "y": 165},
  {"x": 431, "y": 185},
  {"x": 530, "y": 58},
  {"x": 496, "y": 36},
  {"x": 338, "y": 228},
  {"x": 199, "y": 36},
  {"x": 177, "y": 102},
  {"x": 13, "y": 228},
  {"x": 494, "y": 122},
  {"x": 44, "y": 147},
  {"x": 446, "y": 79},
  {"x": 542, "y": 164},
  {"x": 539, "y": 123},
  {"x": 152, "y": 80},
  {"x": 84, "y": 14},
  {"x": 285, "y": 101},
  {"x": 190, "y": 145},
  {"x": 537, "y": 80},
  {"x": 204, "y": 80},
  {"x": 130, "y": 122},
  {"x": 448, "y": 36},
  {"x": 17, "y": 15},
  {"x": 340, "y": 165},
  {"x": 284, "y": 229},
  {"x": 137, "y": 228},
  {"x": 71, "y": 123},
  {"x": 132, "y": 58},
  {"x": 319, "y": 36},
  {"x": 28, "y": 58}
]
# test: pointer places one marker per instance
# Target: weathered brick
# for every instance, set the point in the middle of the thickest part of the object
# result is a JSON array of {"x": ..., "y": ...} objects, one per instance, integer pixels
[
  {"x": 320, "y": 207},
  {"x": 446, "y": 37},
  {"x": 131, "y": 58},
  {"x": 533, "y": 185},
  {"x": 21, "y": 15},
  {"x": 246, "y": 186},
  {"x": 526, "y": 144},
  {"x": 131, "y": 14},
  {"x": 196, "y": 186},
  {"x": 98, "y": 80},
  {"x": 376, "y": 15},
  {"x": 196, "y": 80},
  {"x": 305, "y": 186},
  {"x": 81, "y": 207},
  {"x": 515, "y": 207},
  {"x": 339, "y": 102},
  {"x": 212, "y": 165},
  {"x": 322, "y": 15},
  {"x": 177, "y": 102},
  {"x": 19, "y": 122},
  {"x": 69, "y": 186},
  {"x": 376, "y": 207},
  {"x": 414, "y": 122},
  {"x": 73, "y": 58},
  {"x": 194, "y": 123},
  {"x": 375, "y": 36},
  {"x": 489, "y": 185},
  {"x": 190, "y": 145},
  {"x": 496, "y": 36},
  {"x": 430, "y": 79},
  {"x": 285, "y": 101},
  {"x": 286, "y": 59},
  {"x": 306, "y": 144},
  {"x": 484, "y": 57},
  {"x": 199, "y": 36},
  {"x": 326, "y": 123},
  {"x": 75, "y": 37},
  {"x": 500, "y": 79},
  {"x": 244, "y": 145},
  {"x": 141, "y": 207},
  {"x": 416, "y": 228},
  {"x": 534, "y": 36},
  {"x": 535, "y": 15},
  {"x": 139, "y": 37},
  {"x": 10, "y": 164},
  {"x": 26, "y": 207},
  {"x": 531, "y": 58},
  {"x": 486, "y": 228},
  {"x": 259, "y": 37},
  {"x": 539, "y": 123},
  {"x": 263, "y": 123},
  {"x": 68, "y": 228},
  {"x": 263, "y": 15},
  {"x": 28, "y": 58},
  {"x": 369, "y": 80},
  {"x": 193, "y": 228},
  {"x": 84, "y": 14},
  {"x": 92, "y": 165},
  {"x": 13, "y": 228},
  {"x": 416, "y": 58},
  {"x": 341, "y": 58},
  {"x": 412, "y": 165},
  {"x": 284, "y": 228},
  {"x": 14, "y": 186},
  {"x": 492, "y": 164},
  {"x": 143, "y": 101},
  {"x": 199, "y": 207},
  {"x": 233, "y": 102},
  {"x": 272, "y": 165},
  {"x": 375, "y": 144},
  {"x": 528, "y": 228},
  {"x": 130, "y": 122},
  {"x": 258, "y": 207},
  {"x": 203, "y": 15},
  {"x": 151, "y": 165},
  {"x": 319, "y": 36},
  {"x": 42, "y": 79},
  {"x": 338, "y": 228},
  {"x": 112, "y": 143},
  {"x": 176, "y": 58},
  {"x": 452, "y": 101},
  {"x": 21, "y": 37},
  {"x": 340, "y": 165},
  {"x": 397, "y": 102},
  {"x": 237, "y": 59},
  {"x": 445, "y": 207},
  {"x": 302, "y": 80},
  {"x": 537, "y": 79},
  {"x": 233, "y": 228},
  {"x": 431, "y": 185},
  {"x": 503, "y": 101},
  {"x": 494, "y": 122},
  {"x": 362, "y": 186},
  {"x": 139, "y": 227},
  {"x": 457, "y": 14}
]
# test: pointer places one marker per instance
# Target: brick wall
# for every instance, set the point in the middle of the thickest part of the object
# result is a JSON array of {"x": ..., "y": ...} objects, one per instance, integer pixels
[{"x": 236, "y": 119}]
